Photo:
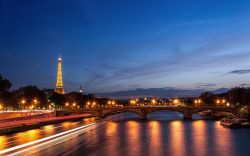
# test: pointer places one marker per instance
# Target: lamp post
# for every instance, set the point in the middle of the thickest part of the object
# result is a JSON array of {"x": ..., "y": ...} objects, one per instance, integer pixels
[
  {"x": 22, "y": 104},
  {"x": 153, "y": 101},
  {"x": 197, "y": 102},
  {"x": 176, "y": 101}
]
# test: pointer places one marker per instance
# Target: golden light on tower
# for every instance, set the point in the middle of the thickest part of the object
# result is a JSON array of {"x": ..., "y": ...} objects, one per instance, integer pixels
[{"x": 59, "y": 81}]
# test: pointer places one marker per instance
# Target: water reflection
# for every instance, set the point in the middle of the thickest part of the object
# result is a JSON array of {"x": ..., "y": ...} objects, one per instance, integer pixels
[
  {"x": 199, "y": 137},
  {"x": 133, "y": 137},
  {"x": 177, "y": 138},
  {"x": 154, "y": 135},
  {"x": 111, "y": 131},
  {"x": 32, "y": 135},
  {"x": 50, "y": 129},
  {"x": 3, "y": 142},
  {"x": 223, "y": 141}
]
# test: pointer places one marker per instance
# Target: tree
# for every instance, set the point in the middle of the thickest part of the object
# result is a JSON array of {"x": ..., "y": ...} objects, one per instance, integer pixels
[
  {"x": 236, "y": 94},
  {"x": 5, "y": 96},
  {"x": 57, "y": 99},
  {"x": 32, "y": 96},
  {"x": 5, "y": 85},
  {"x": 246, "y": 97},
  {"x": 207, "y": 97}
]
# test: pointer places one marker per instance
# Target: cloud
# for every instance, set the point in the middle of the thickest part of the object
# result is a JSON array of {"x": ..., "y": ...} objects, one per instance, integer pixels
[
  {"x": 245, "y": 71},
  {"x": 167, "y": 92},
  {"x": 205, "y": 84},
  {"x": 215, "y": 52}
]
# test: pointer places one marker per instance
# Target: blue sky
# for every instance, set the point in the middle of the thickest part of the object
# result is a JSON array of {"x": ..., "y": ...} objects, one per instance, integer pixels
[{"x": 111, "y": 45}]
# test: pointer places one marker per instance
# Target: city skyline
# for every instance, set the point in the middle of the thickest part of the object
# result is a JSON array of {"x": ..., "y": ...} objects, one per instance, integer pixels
[{"x": 151, "y": 45}]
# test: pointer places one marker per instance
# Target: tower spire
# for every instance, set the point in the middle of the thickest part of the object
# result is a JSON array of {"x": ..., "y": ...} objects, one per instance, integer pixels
[
  {"x": 59, "y": 82},
  {"x": 81, "y": 91}
]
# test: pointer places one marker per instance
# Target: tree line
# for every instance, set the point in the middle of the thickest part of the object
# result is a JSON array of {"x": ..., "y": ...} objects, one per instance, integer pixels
[
  {"x": 25, "y": 97},
  {"x": 28, "y": 96}
]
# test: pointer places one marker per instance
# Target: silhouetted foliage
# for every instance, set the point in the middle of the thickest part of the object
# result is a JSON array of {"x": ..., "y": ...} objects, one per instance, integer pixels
[
  {"x": 30, "y": 94},
  {"x": 236, "y": 95},
  {"x": 57, "y": 99},
  {"x": 46, "y": 97},
  {"x": 207, "y": 98},
  {"x": 5, "y": 85}
]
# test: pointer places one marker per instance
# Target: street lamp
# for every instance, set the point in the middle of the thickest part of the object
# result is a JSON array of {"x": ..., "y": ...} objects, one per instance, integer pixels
[
  {"x": 23, "y": 101},
  {"x": 35, "y": 101},
  {"x": 132, "y": 102},
  {"x": 176, "y": 101},
  {"x": 197, "y": 101},
  {"x": 153, "y": 101},
  {"x": 218, "y": 101}
]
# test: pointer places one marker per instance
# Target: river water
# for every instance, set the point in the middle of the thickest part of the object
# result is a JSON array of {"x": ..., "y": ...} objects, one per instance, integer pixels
[{"x": 164, "y": 133}]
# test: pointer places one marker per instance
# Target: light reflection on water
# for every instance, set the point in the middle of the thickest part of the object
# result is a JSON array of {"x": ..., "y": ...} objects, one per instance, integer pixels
[
  {"x": 127, "y": 135},
  {"x": 176, "y": 132},
  {"x": 164, "y": 133},
  {"x": 3, "y": 140},
  {"x": 11, "y": 140},
  {"x": 154, "y": 133}
]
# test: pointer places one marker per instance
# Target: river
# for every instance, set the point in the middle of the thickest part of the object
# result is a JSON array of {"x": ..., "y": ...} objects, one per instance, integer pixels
[{"x": 164, "y": 133}]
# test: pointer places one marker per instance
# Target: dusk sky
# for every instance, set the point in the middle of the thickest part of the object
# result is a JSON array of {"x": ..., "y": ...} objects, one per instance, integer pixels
[{"x": 119, "y": 45}]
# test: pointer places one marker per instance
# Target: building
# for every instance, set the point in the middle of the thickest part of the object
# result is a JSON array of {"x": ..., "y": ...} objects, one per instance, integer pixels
[
  {"x": 81, "y": 90},
  {"x": 59, "y": 82}
]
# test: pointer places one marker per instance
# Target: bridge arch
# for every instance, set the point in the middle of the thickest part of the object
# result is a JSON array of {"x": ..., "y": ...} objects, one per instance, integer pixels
[
  {"x": 187, "y": 114},
  {"x": 167, "y": 114},
  {"x": 112, "y": 112}
]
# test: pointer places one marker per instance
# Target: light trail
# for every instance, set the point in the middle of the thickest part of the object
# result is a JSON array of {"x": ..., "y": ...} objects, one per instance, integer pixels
[
  {"x": 66, "y": 133},
  {"x": 20, "y": 135},
  {"x": 45, "y": 145}
]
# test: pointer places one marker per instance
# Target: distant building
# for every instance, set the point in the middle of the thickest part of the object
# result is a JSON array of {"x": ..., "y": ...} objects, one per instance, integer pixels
[
  {"x": 81, "y": 90},
  {"x": 59, "y": 82}
]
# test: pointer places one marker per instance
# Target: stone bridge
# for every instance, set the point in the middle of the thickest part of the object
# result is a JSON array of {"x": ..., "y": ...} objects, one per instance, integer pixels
[{"x": 143, "y": 111}]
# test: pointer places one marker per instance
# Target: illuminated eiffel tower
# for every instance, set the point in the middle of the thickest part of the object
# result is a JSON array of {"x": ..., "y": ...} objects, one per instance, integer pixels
[{"x": 59, "y": 82}]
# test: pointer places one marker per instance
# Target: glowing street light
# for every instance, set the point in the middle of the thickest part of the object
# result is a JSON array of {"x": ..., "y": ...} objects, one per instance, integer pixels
[
  {"x": 221, "y": 101},
  {"x": 197, "y": 101},
  {"x": 67, "y": 104},
  {"x": 153, "y": 101},
  {"x": 176, "y": 101},
  {"x": 1, "y": 106},
  {"x": 228, "y": 104},
  {"x": 132, "y": 102},
  {"x": 35, "y": 101},
  {"x": 23, "y": 101}
]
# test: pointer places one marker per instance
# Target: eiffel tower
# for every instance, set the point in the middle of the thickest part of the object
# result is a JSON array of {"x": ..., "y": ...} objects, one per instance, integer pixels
[{"x": 59, "y": 82}]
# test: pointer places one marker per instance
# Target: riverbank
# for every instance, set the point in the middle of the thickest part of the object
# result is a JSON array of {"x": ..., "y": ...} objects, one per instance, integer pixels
[{"x": 18, "y": 126}]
